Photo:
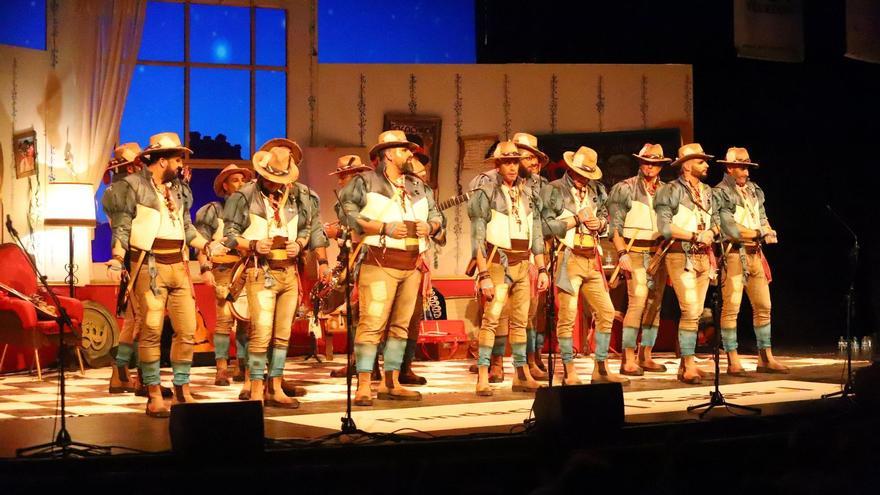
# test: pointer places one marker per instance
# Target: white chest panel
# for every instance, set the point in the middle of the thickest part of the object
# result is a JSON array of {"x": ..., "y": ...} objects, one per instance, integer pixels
[
  {"x": 641, "y": 221},
  {"x": 381, "y": 208}
]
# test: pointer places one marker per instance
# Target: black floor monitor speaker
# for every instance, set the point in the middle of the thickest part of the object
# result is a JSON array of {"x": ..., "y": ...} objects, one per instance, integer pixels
[
  {"x": 211, "y": 429},
  {"x": 579, "y": 412}
]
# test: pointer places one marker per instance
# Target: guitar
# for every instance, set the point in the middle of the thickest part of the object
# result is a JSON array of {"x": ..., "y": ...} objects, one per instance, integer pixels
[
  {"x": 455, "y": 201},
  {"x": 39, "y": 304}
]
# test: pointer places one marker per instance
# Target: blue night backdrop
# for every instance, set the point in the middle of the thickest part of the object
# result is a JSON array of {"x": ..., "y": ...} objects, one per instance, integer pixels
[
  {"x": 23, "y": 23},
  {"x": 220, "y": 110}
]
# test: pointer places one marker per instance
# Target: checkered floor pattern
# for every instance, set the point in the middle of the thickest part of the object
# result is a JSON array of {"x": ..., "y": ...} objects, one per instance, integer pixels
[{"x": 24, "y": 397}]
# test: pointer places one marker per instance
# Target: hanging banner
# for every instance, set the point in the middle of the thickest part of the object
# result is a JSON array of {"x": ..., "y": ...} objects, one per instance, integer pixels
[
  {"x": 862, "y": 36},
  {"x": 769, "y": 29}
]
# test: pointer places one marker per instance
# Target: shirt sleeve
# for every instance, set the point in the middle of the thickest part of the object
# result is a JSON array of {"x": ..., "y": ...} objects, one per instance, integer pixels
[
  {"x": 551, "y": 207},
  {"x": 480, "y": 214},
  {"x": 317, "y": 237},
  {"x": 235, "y": 218},
  {"x": 666, "y": 201},
  {"x": 619, "y": 204},
  {"x": 120, "y": 205},
  {"x": 353, "y": 197}
]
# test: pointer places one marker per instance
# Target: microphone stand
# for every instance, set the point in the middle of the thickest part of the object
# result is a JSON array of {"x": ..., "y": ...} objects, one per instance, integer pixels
[
  {"x": 715, "y": 397},
  {"x": 846, "y": 390},
  {"x": 348, "y": 425},
  {"x": 63, "y": 446}
]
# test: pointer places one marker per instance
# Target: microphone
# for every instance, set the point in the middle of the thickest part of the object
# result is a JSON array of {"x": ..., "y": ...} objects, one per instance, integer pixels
[{"x": 9, "y": 226}]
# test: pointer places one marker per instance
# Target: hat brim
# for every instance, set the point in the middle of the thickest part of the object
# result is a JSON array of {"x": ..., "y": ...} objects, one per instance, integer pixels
[
  {"x": 542, "y": 157},
  {"x": 653, "y": 161},
  {"x": 221, "y": 178},
  {"x": 493, "y": 159},
  {"x": 596, "y": 174},
  {"x": 748, "y": 164},
  {"x": 147, "y": 152},
  {"x": 691, "y": 157},
  {"x": 294, "y": 148},
  {"x": 115, "y": 165},
  {"x": 374, "y": 151},
  {"x": 352, "y": 170}
]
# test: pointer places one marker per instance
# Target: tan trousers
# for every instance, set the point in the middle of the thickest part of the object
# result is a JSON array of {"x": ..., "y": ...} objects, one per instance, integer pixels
[
  {"x": 175, "y": 294},
  {"x": 586, "y": 280},
  {"x": 638, "y": 312},
  {"x": 225, "y": 321},
  {"x": 514, "y": 298},
  {"x": 757, "y": 288},
  {"x": 690, "y": 287},
  {"x": 273, "y": 309},
  {"x": 387, "y": 297},
  {"x": 131, "y": 323}
]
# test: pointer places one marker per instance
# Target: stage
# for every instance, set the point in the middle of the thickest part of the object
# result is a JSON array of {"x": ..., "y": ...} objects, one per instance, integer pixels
[{"x": 29, "y": 409}]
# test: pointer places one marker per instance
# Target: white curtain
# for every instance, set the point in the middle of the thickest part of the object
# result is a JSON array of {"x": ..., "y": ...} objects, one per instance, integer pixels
[{"x": 111, "y": 38}]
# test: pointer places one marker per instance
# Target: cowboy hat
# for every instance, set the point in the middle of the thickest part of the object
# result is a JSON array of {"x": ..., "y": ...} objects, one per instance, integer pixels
[
  {"x": 230, "y": 169},
  {"x": 737, "y": 156},
  {"x": 276, "y": 164},
  {"x": 584, "y": 162},
  {"x": 652, "y": 154},
  {"x": 391, "y": 139},
  {"x": 504, "y": 151},
  {"x": 530, "y": 143},
  {"x": 123, "y": 155},
  {"x": 164, "y": 141},
  {"x": 294, "y": 148},
  {"x": 690, "y": 152},
  {"x": 420, "y": 152},
  {"x": 349, "y": 164}
]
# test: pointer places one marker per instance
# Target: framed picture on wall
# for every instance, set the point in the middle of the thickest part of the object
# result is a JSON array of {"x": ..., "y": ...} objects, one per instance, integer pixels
[
  {"x": 423, "y": 130},
  {"x": 24, "y": 152},
  {"x": 472, "y": 151}
]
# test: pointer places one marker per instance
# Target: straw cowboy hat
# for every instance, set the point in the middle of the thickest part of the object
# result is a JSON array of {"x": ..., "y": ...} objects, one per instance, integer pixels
[
  {"x": 584, "y": 162},
  {"x": 230, "y": 169},
  {"x": 504, "y": 151},
  {"x": 164, "y": 141},
  {"x": 276, "y": 164},
  {"x": 530, "y": 143},
  {"x": 652, "y": 154},
  {"x": 690, "y": 152},
  {"x": 391, "y": 139},
  {"x": 738, "y": 156},
  {"x": 294, "y": 148},
  {"x": 349, "y": 164},
  {"x": 124, "y": 154}
]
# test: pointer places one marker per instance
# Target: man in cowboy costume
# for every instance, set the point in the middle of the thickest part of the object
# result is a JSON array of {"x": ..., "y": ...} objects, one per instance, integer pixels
[
  {"x": 273, "y": 220},
  {"x": 347, "y": 167},
  {"x": 506, "y": 232},
  {"x": 217, "y": 272},
  {"x": 532, "y": 162},
  {"x": 744, "y": 225},
  {"x": 394, "y": 212},
  {"x": 636, "y": 239},
  {"x": 685, "y": 212},
  {"x": 574, "y": 211},
  {"x": 155, "y": 229}
]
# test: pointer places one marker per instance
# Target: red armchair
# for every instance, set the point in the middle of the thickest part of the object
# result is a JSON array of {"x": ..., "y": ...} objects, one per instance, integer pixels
[{"x": 20, "y": 322}]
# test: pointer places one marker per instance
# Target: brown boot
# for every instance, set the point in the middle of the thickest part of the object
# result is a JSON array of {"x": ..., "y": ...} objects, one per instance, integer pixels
[
  {"x": 570, "y": 375},
  {"x": 628, "y": 364},
  {"x": 536, "y": 372},
  {"x": 647, "y": 363},
  {"x": 340, "y": 372},
  {"x": 156, "y": 407},
  {"x": 496, "y": 369},
  {"x": 483, "y": 388},
  {"x": 768, "y": 364},
  {"x": 291, "y": 389},
  {"x": 409, "y": 377},
  {"x": 539, "y": 360},
  {"x": 688, "y": 371},
  {"x": 257, "y": 391},
  {"x": 602, "y": 375},
  {"x": 734, "y": 367},
  {"x": 245, "y": 393},
  {"x": 364, "y": 395},
  {"x": 221, "y": 378},
  {"x": 275, "y": 396},
  {"x": 390, "y": 388},
  {"x": 473, "y": 368},
  {"x": 376, "y": 376},
  {"x": 523, "y": 381},
  {"x": 238, "y": 370},
  {"x": 183, "y": 395},
  {"x": 142, "y": 389},
  {"x": 121, "y": 381}
]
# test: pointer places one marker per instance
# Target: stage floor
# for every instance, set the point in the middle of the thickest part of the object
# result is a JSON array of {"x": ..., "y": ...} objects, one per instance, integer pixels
[{"x": 29, "y": 408}]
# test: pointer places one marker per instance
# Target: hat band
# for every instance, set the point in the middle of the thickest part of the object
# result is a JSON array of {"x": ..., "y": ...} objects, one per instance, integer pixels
[{"x": 276, "y": 172}]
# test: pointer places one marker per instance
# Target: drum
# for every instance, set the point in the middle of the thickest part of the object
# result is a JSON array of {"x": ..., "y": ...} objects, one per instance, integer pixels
[{"x": 239, "y": 308}]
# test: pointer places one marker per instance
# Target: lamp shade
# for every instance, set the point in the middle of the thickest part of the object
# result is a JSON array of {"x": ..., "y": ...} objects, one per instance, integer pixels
[{"x": 70, "y": 204}]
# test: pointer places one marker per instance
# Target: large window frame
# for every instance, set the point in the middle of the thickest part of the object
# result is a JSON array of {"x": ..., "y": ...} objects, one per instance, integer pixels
[{"x": 187, "y": 64}]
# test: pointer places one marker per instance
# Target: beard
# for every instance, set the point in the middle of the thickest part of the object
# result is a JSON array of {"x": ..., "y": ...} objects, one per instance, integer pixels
[
  {"x": 407, "y": 167},
  {"x": 169, "y": 175},
  {"x": 523, "y": 172}
]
